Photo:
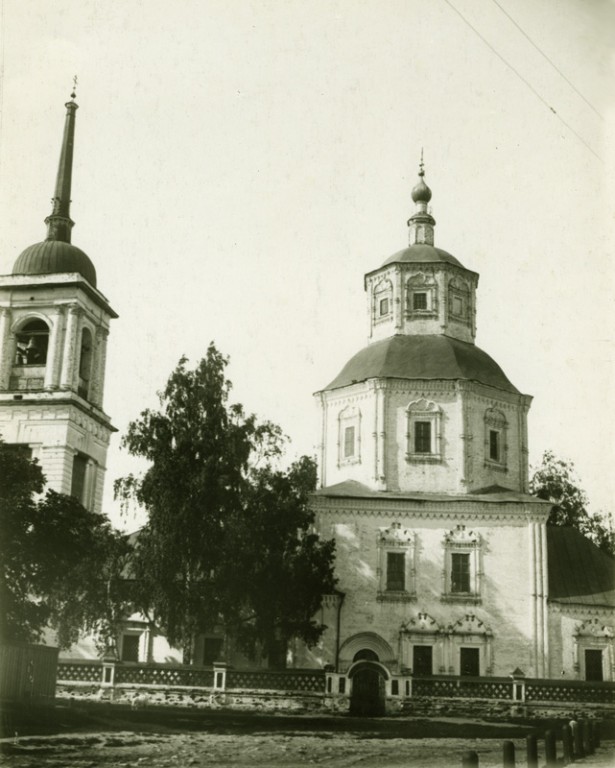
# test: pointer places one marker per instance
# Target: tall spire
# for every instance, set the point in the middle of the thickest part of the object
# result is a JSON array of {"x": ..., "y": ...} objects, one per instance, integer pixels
[
  {"x": 421, "y": 224},
  {"x": 59, "y": 222}
]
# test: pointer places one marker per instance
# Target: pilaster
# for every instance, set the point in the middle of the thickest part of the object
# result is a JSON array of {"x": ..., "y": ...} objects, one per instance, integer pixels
[{"x": 5, "y": 361}]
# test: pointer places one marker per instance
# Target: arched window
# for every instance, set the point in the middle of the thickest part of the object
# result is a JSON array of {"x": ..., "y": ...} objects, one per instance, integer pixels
[
  {"x": 85, "y": 362},
  {"x": 32, "y": 343}
]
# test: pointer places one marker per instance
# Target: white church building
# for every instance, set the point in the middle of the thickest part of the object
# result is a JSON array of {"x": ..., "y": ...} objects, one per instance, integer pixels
[{"x": 445, "y": 563}]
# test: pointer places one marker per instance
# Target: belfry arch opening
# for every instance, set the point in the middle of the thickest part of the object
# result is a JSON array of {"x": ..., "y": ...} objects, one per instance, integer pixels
[{"x": 32, "y": 342}]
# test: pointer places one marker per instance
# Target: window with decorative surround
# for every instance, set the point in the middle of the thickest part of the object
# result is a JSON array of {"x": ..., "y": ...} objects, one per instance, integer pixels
[
  {"x": 396, "y": 564},
  {"x": 471, "y": 647},
  {"x": 462, "y": 566},
  {"x": 383, "y": 301},
  {"x": 496, "y": 439},
  {"x": 349, "y": 437},
  {"x": 459, "y": 300},
  {"x": 424, "y": 436},
  {"x": 421, "y": 296},
  {"x": 593, "y": 651}
]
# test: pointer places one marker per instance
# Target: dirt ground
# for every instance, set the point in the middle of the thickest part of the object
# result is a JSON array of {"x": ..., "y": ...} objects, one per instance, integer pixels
[{"x": 187, "y": 740}]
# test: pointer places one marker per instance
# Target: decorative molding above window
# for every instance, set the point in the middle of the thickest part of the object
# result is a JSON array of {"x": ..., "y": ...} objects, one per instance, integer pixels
[
  {"x": 496, "y": 439},
  {"x": 424, "y": 435},
  {"x": 349, "y": 436},
  {"x": 396, "y": 564},
  {"x": 421, "y": 296},
  {"x": 462, "y": 566}
]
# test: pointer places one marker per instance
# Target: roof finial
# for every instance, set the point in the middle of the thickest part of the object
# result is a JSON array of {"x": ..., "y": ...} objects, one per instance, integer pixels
[
  {"x": 421, "y": 223},
  {"x": 73, "y": 94}
]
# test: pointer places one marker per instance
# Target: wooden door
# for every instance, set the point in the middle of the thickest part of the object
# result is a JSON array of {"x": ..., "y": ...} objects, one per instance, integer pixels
[{"x": 368, "y": 693}]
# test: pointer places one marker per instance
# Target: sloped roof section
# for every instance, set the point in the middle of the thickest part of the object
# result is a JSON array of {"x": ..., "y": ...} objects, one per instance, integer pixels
[
  {"x": 428, "y": 356},
  {"x": 422, "y": 253},
  {"x": 352, "y": 489},
  {"x": 579, "y": 572}
]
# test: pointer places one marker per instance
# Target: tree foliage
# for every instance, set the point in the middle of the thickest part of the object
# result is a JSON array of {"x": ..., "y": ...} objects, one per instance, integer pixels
[
  {"x": 59, "y": 563},
  {"x": 218, "y": 514},
  {"x": 555, "y": 480}
]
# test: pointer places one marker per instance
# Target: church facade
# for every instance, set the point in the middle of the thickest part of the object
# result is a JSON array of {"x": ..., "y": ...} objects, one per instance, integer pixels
[{"x": 445, "y": 563}]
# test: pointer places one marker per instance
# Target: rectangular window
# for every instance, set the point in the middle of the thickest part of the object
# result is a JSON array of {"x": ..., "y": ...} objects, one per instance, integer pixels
[
  {"x": 130, "y": 647},
  {"x": 593, "y": 664},
  {"x": 419, "y": 301},
  {"x": 341, "y": 686},
  {"x": 384, "y": 307},
  {"x": 394, "y": 687},
  {"x": 422, "y": 436},
  {"x": 469, "y": 662},
  {"x": 494, "y": 445},
  {"x": 460, "y": 572},
  {"x": 457, "y": 306},
  {"x": 348, "y": 442},
  {"x": 422, "y": 660},
  {"x": 396, "y": 571},
  {"x": 77, "y": 488}
]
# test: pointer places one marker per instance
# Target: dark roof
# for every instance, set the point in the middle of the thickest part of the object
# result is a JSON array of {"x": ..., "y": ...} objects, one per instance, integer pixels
[
  {"x": 351, "y": 489},
  {"x": 54, "y": 256},
  {"x": 422, "y": 253},
  {"x": 579, "y": 572},
  {"x": 422, "y": 357}
]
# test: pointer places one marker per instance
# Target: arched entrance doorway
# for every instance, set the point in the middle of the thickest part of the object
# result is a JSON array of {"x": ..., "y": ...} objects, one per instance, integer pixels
[{"x": 367, "y": 698}]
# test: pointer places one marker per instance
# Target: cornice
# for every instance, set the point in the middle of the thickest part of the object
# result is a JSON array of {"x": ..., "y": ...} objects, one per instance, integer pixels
[{"x": 470, "y": 512}]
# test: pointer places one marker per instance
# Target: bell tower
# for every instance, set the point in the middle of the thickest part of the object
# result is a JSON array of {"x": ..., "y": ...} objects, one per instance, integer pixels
[{"x": 54, "y": 324}]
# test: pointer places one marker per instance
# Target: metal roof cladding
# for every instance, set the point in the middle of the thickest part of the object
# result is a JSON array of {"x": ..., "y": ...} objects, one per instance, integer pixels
[
  {"x": 423, "y": 357},
  {"x": 422, "y": 253},
  {"x": 52, "y": 256}
]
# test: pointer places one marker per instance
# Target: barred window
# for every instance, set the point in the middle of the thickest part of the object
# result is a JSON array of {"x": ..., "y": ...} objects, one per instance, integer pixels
[
  {"x": 396, "y": 570},
  {"x": 460, "y": 572}
]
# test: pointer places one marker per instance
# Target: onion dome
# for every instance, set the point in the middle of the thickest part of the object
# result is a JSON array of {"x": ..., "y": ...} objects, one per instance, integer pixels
[
  {"x": 56, "y": 253},
  {"x": 421, "y": 192},
  {"x": 52, "y": 256}
]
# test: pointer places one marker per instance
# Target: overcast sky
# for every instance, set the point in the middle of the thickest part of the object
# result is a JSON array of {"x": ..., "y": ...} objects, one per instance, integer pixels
[{"x": 239, "y": 166}]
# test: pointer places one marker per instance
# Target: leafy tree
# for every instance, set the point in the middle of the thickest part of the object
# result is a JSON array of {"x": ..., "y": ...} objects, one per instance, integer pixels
[
  {"x": 286, "y": 568},
  {"x": 205, "y": 491},
  {"x": 57, "y": 559},
  {"x": 555, "y": 480}
]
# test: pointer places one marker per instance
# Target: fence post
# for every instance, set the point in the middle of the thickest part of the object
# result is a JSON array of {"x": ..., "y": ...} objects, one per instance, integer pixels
[
  {"x": 577, "y": 739},
  {"x": 470, "y": 760},
  {"x": 550, "y": 749},
  {"x": 220, "y": 668},
  {"x": 567, "y": 744},
  {"x": 508, "y": 755},
  {"x": 531, "y": 749}
]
